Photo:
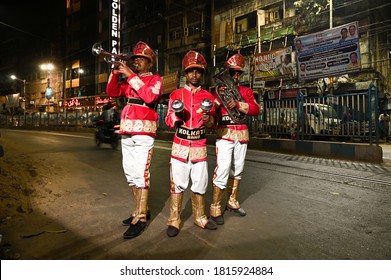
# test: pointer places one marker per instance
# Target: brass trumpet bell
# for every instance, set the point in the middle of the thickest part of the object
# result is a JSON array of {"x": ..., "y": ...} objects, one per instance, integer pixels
[
  {"x": 110, "y": 58},
  {"x": 97, "y": 49}
]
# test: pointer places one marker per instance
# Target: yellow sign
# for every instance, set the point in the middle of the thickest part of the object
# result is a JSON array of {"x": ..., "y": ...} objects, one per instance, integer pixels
[{"x": 170, "y": 82}]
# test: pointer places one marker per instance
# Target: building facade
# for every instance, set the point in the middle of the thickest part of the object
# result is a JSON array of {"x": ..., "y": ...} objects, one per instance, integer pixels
[{"x": 217, "y": 29}]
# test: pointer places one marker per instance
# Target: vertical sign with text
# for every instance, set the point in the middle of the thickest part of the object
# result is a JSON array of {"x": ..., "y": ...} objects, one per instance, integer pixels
[{"x": 114, "y": 26}]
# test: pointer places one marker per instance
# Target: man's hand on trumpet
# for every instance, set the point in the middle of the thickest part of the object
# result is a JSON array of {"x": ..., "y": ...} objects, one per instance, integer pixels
[{"x": 122, "y": 68}]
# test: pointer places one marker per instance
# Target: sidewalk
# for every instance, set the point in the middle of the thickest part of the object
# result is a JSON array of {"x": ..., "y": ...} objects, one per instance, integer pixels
[
  {"x": 325, "y": 149},
  {"x": 338, "y": 150},
  {"x": 386, "y": 146}
]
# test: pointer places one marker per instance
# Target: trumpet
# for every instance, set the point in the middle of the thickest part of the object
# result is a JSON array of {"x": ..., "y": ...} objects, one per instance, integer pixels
[{"x": 110, "y": 58}]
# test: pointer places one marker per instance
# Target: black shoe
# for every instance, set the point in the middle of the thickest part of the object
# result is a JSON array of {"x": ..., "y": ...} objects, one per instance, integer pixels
[
  {"x": 238, "y": 212},
  {"x": 219, "y": 220},
  {"x": 127, "y": 221},
  {"x": 210, "y": 225},
  {"x": 134, "y": 230},
  {"x": 172, "y": 231}
]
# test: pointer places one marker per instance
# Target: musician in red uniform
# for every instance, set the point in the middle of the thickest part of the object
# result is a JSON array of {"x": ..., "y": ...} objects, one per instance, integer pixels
[
  {"x": 231, "y": 144},
  {"x": 189, "y": 153},
  {"x": 138, "y": 128}
]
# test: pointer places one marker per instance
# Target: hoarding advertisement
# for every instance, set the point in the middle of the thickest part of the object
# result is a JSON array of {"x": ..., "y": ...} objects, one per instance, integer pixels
[
  {"x": 328, "y": 53},
  {"x": 274, "y": 65}
]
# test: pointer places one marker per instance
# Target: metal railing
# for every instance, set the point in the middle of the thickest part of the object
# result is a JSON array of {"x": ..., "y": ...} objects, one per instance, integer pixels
[
  {"x": 336, "y": 117},
  {"x": 352, "y": 116},
  {"x": 44, "y": 119},
  {"x": 68, "y": 119}
]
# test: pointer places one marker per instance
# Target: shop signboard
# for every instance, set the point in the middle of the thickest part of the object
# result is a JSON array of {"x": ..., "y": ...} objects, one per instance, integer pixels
[
  {"x": 170, "y": 82},
  {"x": 48, "y": 92},
  {"x": 286, "y": 93}
]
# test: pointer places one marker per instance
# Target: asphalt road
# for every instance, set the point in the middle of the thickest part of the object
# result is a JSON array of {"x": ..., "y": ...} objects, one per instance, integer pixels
[{"x": 299, "y": 208}]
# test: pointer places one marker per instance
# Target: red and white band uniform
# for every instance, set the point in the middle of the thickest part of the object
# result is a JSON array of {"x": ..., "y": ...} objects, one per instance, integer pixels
[
  {"x": 138, "y": 125},
  {"x": 188, "y": 157},
  {"x": 231, "y": 146},
  {"x": 189, "y": 151}
]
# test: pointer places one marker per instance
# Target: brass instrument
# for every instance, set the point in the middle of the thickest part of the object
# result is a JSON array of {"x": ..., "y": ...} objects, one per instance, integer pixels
[
  {"x": 224, "y": 79},
  {"x": 110, "y": 58}
]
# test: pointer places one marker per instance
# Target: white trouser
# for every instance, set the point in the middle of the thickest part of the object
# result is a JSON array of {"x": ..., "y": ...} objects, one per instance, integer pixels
[
  {"x": 182, "y": 172},
  {"x": 230, "y": 161},
  {"x": 136, "y": 159}
]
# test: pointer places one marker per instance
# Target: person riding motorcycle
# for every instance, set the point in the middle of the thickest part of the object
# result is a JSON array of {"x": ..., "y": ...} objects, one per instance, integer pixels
[{"x": 106, "y": 125}]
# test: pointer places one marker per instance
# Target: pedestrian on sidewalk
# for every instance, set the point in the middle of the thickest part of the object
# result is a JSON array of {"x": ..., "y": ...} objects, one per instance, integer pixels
[{"x": 384, "y": 120}]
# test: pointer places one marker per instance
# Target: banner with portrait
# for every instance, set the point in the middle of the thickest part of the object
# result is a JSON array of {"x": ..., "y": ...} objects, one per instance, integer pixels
[
  {"x": 332, "y": 52},
  {"x": 273, "y": 65}
]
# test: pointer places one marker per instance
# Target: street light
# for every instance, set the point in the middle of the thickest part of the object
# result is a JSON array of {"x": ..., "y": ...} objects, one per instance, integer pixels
[
  {"x": 13, "y": 77},
  {"x": 23, "y": 96},
  {"x": 47, "y": 66}
]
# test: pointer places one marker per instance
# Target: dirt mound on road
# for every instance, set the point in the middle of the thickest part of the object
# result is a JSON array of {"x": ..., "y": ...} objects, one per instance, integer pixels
[{"x": 22, "y": 183}]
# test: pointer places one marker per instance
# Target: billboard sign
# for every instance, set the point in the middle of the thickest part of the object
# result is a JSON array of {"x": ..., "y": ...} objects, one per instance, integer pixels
[
  {"x": 332, "y": 52},
  {"x": 273, "y": 65}
]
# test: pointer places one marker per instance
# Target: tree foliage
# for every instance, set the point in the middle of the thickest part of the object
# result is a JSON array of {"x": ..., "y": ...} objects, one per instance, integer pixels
[
  {"x": 311, "y": 7},
  {"x": 310, "y": 13}
]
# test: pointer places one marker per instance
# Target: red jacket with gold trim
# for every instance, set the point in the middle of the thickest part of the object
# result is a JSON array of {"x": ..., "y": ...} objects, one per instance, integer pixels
[
  {"x": 137, "y": 118},
  {"x": 234, "y": 131},
  {"x": 190, "y": 136}
]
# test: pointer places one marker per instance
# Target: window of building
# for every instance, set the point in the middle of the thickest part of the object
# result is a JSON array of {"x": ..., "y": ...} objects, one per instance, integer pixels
[
  {"x": 75, "y": 73},
  {"x": 194, "y": 29},
  {"x": 175, "y": 34},
  {"x": 246, "y": 22},
  {"x": 67, "y": 74},
  {"x": 273, "y": 15},
  {"x": 104, "y": 67}
]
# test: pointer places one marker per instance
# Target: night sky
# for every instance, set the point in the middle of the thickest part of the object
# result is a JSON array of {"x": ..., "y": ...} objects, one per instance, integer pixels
[{"x": 38, "y": 19}]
